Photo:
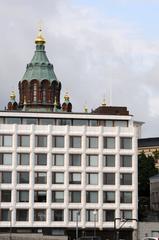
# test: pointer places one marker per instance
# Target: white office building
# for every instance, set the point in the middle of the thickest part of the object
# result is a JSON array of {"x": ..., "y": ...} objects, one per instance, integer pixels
[{"x": 65, "y": 173}]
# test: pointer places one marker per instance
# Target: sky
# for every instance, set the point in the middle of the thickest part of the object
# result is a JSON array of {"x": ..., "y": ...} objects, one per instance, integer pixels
[{"x": 99, "y": 49}]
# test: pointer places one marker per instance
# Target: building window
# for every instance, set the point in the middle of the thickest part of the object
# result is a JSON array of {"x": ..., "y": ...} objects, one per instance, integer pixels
[
  {"x": 41, "y": 159},
  {"x": 57, "y": 215},
  {"x": 92, "y": 197},
  {"x": 58, "y": 196},
  {"x": 108, "y": 215},
  {"x": 5, "y": 159},
  {"x": 40, "y": 177},
  {"x": 92, "y": 142},
  {"x": 109, "y": 142},
  {"x": 22, "y": 215},
  {"x": 126, "y": 214},
  {"x": 75, "y": 142},
  {"x": 109, "y": 160},
  {"x": 40, "y": 215},
  {"x": 74, "y": 196},
  {"x": 23, "y": 177},
  {"x": 35, "y": 95},
  {"x": 125, "y": 161},
  {"x": 126, "y": 197},
  {"x": 23, "y": 141},
  {"x": 40, "y": 141},
  {"x": 5, "y": 195},
  {"x": 22, "y": 196},
  {"x": 108, "y": 197},
  {"x": 91, "y": 215},
  {"x": 109, "y": 178},
  {"x": 58, "y": 178},
  {"x": 6, "y": 140},
  {"x": 39, "y": 196},
  {"x": 74, "y": 215},
  {"x": 74, "y": 178},
  {"x": 5, "y": 177},
  {"x": 4, "y": 215},
  {"x": 23, "y": 159},
  {"x": 58, "y": 159},
  {"x": 126, "y": 143},
  {"x": 92, "y": 178},
  {"x": 126, "y": 179},
  {"x": 92, "y": 160},
  {"x": 58, "y": 141},
  {"x": 75, "y": 159}
]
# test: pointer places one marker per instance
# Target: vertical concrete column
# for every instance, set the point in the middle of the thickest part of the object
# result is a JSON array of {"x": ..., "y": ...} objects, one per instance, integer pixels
[
  {"x": 49, "y": 177},
  {"x": 66, "y": 172},
  {"x": 84, "y": 165},
  {"x": 117, "y": 172},
  {"x": 100, "y": 179},
  {"x": 14, "y": 177}
]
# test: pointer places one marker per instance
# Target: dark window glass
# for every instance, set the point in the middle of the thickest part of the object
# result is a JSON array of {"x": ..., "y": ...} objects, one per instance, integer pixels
[
  {"x": 23, "y": 158},
  {"x": 91, "y": 215},
  {"x": 74, "y": 178},
  {"x": 58, "y": 141},
  {"x": 4, "y": 214},
  {"x": 40, "y": 141},
  {"x": 22, "y": 196},
  {"x": 126, "y": 214},
  {"x": 30, "y": 121},
  {"x": 92, "y": 160},
  {"x": 108, "y": 197},
  {"x": 23, "y": 141},
  {"x": 125, "y": 161},
  {"x": 5, "y": 159},
  {"x": 92, "y": 197},
  {"x": 126, "y": 197},
  {"x": 57, "y": 215},
  {"x": 92, "y": 178},
  {"x": 109, "y": 160},
  {"x": 6, "y": 177},
  {"x": 39, "y": 196},
  {"x": 92, "y": 142},
  {"x": 80, "y": 122},
  {"x": 65, "y": 122},
  {"x": 6, "y": 196},
  {"x": 6, "y": 140},
  {"x": 93, "y": 123},
  {"x": 74, "y": 215},
  {"x": 74, "y": 196},
  {"x": 22, "y": 215},
  {"x": 75, "y": 142},
  {"x": 41, "y": 159},
  {"x": 46, "y": 121},
  {"x": 126, "y": 179},
  {"x": 120, "y": 123},
  {"x": 108, "y": 215},
  {"x": 22, "y": 177},
  {"x": 109, "y": 142},
  {"x": 40, "y": 215},
  {"x": 12, "y": 120},
  {"x": 109, "y": 178},
  {"x": 58, "y": 178},
  {"x": 58, "y": 196},
  {"x": 58, "y": 159},
  {"x": 126, "y": 143},
  {"x": 40, "y": 177},
  {"x": 75, "y": 159}
]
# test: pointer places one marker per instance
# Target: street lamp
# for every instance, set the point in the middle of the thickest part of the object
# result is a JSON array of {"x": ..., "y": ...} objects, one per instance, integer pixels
[
  {"x": 95, "y": 219},
  {"x": 77, "y": 215},
  {"x": 10, "y": 231}
]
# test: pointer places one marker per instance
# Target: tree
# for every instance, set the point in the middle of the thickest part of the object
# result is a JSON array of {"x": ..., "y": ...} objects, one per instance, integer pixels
[{"x": 146, "y": 169}]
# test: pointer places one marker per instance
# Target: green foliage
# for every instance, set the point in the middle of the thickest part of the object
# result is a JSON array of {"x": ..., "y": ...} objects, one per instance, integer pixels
[{"x": 146, "y": 169}]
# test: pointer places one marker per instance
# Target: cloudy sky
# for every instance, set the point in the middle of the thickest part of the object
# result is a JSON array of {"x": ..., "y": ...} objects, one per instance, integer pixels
[{"x": 99, "y": 48}]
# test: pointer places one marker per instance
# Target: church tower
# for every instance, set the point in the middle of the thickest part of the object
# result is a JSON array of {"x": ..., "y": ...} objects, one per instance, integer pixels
[{"x": 39, "y": 87}]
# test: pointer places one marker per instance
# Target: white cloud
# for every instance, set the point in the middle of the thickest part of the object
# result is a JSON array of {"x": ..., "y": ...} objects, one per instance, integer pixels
[{"x": 92, "y": 55}]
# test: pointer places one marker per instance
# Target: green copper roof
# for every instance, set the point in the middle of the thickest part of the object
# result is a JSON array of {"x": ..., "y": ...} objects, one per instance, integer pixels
[{"x": 39, "y": 68}]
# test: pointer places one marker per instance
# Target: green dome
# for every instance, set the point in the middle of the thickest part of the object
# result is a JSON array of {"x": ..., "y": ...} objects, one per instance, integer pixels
[{"x": 39, "y": 68}]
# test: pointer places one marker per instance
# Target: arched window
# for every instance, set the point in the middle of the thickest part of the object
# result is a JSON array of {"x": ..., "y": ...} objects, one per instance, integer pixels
[{"x": 35, "y": 88}]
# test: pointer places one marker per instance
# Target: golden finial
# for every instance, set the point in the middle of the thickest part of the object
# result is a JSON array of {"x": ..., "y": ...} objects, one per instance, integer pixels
[
  {"x": 12, "y": 96},
  {"x": 85, "y": 109},
  {"x": 104, "y": 102},
  {"x": 66, "y": 97},
  {"x": 40, "y": 39}
]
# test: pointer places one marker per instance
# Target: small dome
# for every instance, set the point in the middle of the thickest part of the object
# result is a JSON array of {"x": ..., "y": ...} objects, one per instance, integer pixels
[{"x": 40, "y": 39}]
